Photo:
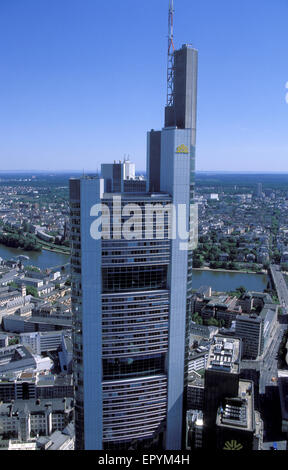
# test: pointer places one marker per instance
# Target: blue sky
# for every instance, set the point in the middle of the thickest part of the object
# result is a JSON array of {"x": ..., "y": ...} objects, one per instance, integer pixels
[{"x": 82, "y": 81}]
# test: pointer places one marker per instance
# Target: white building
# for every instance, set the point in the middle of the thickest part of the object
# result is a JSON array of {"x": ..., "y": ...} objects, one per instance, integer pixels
[
  {"x": 42, "y": 341},
  {"x": 24, "y": 419}
]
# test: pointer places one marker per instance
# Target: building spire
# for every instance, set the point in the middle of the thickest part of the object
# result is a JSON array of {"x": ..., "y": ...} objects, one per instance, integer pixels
[{"x": 170, "y": 68}]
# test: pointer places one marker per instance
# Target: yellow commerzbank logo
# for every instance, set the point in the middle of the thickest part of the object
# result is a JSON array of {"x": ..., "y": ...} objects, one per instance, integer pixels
[
  {"x": 232, "y": 445},
  {"x": 182, "y": 149}
]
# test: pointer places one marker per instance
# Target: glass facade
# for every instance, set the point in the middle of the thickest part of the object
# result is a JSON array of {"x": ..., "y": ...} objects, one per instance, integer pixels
[
  {"x": 131, "y": 296},
  {"x": 134, "y": 330}
]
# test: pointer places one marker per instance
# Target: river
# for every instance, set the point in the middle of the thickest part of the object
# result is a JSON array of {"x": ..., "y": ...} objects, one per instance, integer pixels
[
  {"x": 229, "y": 281},
  {"x": 42, "y": 259},
  {"x": 218, "y": 280}
]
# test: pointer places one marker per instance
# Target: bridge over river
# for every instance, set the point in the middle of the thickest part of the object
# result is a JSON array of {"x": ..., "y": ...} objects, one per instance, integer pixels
[{"x": 280, "y": 285}]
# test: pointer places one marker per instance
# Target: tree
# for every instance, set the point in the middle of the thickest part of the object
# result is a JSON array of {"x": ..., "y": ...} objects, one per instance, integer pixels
[
  {"x": 196, "y": 318},
  {"x": 197, "y": 262},
  {"x": 30, "y": 290},
  {"x": 33, "y": 268},
  {"x": 221, "y": 323},
  {"x": 212, "y": 322},
  {"x": 13, "y": 284},
  {"x": 277, "y": 256},
  {"x": 233, "y": 266},
  {"x": 25, "y": 226},
  {"x": 215, "y": 264},
  {"x": 13, "y": 341},
  {"x": 241, "y": 290}
]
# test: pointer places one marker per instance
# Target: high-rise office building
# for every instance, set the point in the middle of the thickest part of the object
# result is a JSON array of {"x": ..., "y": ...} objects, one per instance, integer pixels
[
  {"x": 221, "y": 381},
  {"x": 238, "y": 424},
  {"x": 259, "y": 192},
  {"x": 131, "y": 295}
]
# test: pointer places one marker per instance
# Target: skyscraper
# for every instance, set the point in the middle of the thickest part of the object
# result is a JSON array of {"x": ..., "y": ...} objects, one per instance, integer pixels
[
  {"x": 221, "y": 381},
  {"x": 238, "y": 424},
  {"x": 131, "y": 295},
  {"x": 259, "y": 190}
]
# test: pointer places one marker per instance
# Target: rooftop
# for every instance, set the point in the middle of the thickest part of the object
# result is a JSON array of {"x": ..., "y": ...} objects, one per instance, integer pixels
[
  {"x": 195, "y": 380},
  {"x": 34, "y": 406},
  {"x": 224, "y": 355},
  {"x": 136, "y": 196},
  {"x": 239, "y": 411},
  {"x": 43, "y": 320}
]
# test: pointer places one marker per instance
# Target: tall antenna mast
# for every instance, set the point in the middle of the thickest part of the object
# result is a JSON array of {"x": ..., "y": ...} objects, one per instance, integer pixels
[{"x": 170, "y": 68}]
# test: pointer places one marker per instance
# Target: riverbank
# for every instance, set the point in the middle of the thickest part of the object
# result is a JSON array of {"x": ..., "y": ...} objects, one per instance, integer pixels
[
  {"x": 55, "y": 249},
  {"x": 205, "y": 268},
  {"x": 227, "y": 281},
  {"x": 43, "y": 247},
  {"x": 67, "y": 253}
]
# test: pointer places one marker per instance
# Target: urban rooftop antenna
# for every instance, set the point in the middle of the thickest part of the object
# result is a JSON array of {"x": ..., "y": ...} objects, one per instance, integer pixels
[{"x": 170, "y": 68}]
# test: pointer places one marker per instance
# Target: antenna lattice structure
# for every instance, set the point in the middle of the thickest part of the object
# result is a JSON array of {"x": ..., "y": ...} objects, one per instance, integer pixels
[{"x": 170, "y": 68}]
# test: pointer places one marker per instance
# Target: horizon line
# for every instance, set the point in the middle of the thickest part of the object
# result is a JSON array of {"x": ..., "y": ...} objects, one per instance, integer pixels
[{"x": 144, "y": 171}]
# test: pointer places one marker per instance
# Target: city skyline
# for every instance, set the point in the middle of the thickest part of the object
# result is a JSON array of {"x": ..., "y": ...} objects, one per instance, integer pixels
[
  {"x": 57, "y": 100},
  {"x": 143, "y": 309}
]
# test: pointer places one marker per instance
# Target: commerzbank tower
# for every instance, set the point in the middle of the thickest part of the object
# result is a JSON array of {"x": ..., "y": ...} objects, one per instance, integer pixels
[{"x": 131, "y": 295}]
